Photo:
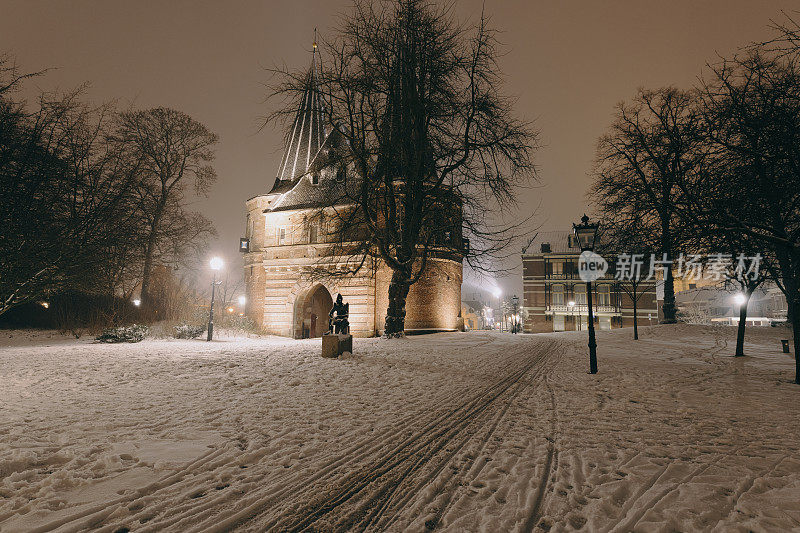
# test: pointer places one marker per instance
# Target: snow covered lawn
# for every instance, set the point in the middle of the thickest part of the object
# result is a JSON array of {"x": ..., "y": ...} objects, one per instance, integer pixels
[{"x": 469, "y": 431}]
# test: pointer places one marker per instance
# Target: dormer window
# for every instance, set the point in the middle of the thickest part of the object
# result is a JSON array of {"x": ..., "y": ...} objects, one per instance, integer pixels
[{"x": 315, "y": 178}]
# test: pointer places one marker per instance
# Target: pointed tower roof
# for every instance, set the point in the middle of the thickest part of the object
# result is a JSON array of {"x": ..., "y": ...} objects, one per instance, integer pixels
[{"x": 307, "y": 134}]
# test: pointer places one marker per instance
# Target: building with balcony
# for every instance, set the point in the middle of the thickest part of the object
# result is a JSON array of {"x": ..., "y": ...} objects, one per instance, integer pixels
[{"x": 555, "y": 297}]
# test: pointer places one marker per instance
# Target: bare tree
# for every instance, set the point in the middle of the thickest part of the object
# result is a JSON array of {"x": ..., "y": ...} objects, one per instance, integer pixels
[
  {"x": 172, "y": 151},
  {"x": 10, "y": 76},
  {"x": 752, "y": 120},
  {"x": 653, "y": 145},
  {"x": 628, "y": 241},
  {"x": 65, "y": 195},
  {"x": 428, "y": 144}
]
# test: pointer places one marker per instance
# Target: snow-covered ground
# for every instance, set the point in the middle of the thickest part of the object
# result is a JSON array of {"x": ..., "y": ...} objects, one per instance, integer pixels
[{"x": 464, "y": 431}]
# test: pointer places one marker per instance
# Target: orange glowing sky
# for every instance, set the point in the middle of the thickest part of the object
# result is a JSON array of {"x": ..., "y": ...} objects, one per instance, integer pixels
[{"x": 568, "y": 62}]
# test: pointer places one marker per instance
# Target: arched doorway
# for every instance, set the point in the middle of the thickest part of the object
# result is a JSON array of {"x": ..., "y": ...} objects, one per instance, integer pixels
[{"x": 311, "y": 312}]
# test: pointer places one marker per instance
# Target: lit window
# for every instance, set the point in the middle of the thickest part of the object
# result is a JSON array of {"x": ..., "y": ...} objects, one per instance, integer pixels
[
  {"x": 580, "y": 294},
  {"x": 603, "y": 295}
]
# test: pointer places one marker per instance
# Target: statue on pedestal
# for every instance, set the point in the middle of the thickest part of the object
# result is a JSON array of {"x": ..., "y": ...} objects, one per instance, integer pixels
[{"x": 339, "y": 323}]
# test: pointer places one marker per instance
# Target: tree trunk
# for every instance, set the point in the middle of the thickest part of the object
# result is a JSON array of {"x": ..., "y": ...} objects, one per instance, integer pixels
[
  {"x": 396, "y": 312},
  {"x": 635, "y": 316},
  {"x": 669, "y": 299},
  {"x": 795, "y": 306},
  {"x": 148, "y": 253},
  {"x": 669, "y": 286},
  {"x": 742, "y": 324},
  {"x": 147, "y": 268}
]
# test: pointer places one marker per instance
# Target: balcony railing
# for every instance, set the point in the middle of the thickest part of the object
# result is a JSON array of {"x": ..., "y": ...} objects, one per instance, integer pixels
[
  {"x": 573, "y": 276},
  {"x": 582, "y": 308}
]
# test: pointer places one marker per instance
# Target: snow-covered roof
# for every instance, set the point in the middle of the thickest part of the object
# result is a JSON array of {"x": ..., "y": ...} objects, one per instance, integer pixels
[
  {"x": 307, "y": 134},
  {"x": 559, "y": 242}
]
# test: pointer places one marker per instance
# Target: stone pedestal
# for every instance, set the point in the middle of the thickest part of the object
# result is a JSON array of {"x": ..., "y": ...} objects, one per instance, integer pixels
[{"x": 334, "y": 345}]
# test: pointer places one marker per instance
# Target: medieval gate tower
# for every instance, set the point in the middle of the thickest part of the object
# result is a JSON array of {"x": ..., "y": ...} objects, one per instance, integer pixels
[{"x": 286, "y": 242}]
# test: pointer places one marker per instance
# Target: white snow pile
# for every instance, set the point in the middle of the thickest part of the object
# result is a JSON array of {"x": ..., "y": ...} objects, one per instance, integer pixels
[{"x": 453, "y": 432}]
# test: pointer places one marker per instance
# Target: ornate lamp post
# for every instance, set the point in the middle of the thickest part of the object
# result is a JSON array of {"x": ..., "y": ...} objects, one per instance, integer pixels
[
  {"x": 586, "y": 234},
  {"x": 215, "y": 264}
]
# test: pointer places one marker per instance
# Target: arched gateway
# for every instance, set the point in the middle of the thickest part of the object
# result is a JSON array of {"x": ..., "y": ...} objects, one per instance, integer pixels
[{"x": 311, "y": 310}]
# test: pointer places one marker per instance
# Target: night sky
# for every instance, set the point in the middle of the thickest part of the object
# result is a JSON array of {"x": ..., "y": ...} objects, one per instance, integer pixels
[{"x": 568, "y": 62}]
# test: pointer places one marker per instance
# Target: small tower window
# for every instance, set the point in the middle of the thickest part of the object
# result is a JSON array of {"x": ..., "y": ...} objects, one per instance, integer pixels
[
  {"x": 315, "y": 178},
  {"x": 281, "y": 236},
  {"x": 312, "y": 234}
]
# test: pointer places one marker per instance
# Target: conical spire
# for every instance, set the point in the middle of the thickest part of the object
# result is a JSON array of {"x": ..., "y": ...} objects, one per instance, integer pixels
[{"x": 308, "y": 130}]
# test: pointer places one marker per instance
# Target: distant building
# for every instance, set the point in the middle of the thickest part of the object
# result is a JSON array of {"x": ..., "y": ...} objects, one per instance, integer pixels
[
  {"x": 479, "y": 303},
  {"x": 716, "y": 305},
  {"x": 472, "y": 315},
  {"x": 550, "y": 283}
]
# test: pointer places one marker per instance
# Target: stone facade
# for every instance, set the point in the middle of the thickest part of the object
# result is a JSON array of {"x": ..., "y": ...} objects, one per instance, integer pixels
[{"x": 282, "y": 279}]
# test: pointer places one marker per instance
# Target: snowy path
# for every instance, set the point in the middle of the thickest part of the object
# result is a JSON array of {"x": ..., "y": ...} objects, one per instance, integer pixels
[{"x": 475, "y": 431}]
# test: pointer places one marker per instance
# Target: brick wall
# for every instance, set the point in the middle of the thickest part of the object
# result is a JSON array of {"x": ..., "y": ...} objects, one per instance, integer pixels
[{"x": 278, "y": 280}]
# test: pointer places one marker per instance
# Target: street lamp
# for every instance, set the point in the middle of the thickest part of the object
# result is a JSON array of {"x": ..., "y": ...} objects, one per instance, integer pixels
[
  {"x": 739, "y": 299},
  {"x": 242, "y": 300},
  {"x": 515, "y": 317},
  {"x": 571, "y": 306},
  {"x": 586, "y": 234},
  {"x": 215, "y": 264}
]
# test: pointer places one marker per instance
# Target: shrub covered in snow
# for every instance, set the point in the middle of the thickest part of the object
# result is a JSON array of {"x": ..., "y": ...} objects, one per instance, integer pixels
[
  {"x": 132, "y": 333},
  {"x": 188, "y": 331}
]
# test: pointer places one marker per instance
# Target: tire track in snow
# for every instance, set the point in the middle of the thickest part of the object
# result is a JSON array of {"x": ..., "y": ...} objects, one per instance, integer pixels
[
  {"x": 404, "y": 458},
  {"x": 173, "y": 501},
  {"x": 280, "y": 490},
  {"x": 549, "y": 468},
  {"x": 452, "y": 483}
]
